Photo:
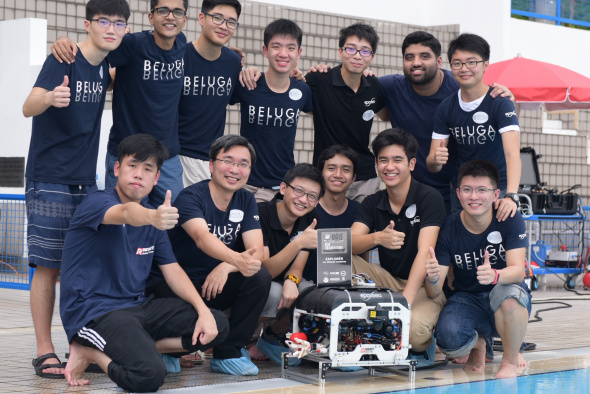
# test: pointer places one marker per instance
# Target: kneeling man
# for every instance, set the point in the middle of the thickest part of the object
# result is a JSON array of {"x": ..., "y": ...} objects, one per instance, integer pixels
[
  {"x": 109, "y": 248},
  {"x": 488, "y": 257}
]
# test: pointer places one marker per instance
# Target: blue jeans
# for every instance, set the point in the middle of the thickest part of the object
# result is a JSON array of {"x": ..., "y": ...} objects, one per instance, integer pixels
[
  {"x": 468, "y": 316},
  {"x": 170, "y": 179}
]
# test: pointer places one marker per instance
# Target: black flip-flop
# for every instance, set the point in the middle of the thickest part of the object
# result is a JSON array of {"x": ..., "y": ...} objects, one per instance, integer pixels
[{"x": 40, "y": 367}]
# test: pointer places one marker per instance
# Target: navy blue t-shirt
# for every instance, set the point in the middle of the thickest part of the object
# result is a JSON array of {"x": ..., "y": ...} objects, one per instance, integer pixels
[
  {"x": 269, "y": 121},
  {"x": 207, "y": 89},
  {"x": 195, "y": 202},
  {"x": 64, "y": 141},
  {"x": 325, "y": 220},
  {"x": 147, "y": 89},
  {"x": 466, "y": 250},
  {"x": 105, "y": 267},
  {"x": 477, "y": 133},
  {"x": 415, "y": 114}
]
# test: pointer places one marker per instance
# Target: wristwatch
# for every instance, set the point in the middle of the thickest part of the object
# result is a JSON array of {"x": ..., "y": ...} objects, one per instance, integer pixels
[
  {"x": 513, "y": 197},
  {"x": 294, "y": 278}
]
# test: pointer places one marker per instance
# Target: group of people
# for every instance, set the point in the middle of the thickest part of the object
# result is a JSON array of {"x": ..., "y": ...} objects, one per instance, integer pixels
[{"x": 199, "y": 239}]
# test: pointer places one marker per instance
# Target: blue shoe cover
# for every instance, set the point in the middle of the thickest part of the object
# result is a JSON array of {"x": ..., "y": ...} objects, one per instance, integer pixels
[
  {"x": 172, "y": 363},
  {"x": 233, "y": 366},
  {"x": 274, "y": 352}
]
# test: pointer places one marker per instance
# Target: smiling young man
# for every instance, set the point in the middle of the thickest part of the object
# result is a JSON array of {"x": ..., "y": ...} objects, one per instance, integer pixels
[
  {"x": 288, "y": 226},
  {"x": 345, "y": 103},
  {"x": 487, "y": 256},
  {"x": 413, "y": 98},
  {"x": 113, "y": 240},
  {"x": 338, "y": 165},
  {"x": 149, "y": 68},
  {"x": 270, "y": 112},
  {"x": 480, "y": 126},
  {"x": 216, "y": 217},
  {"x": 66, "y": 103},
  {"x": 402, "y": 221},
  {"x": 211, "y": 73}
]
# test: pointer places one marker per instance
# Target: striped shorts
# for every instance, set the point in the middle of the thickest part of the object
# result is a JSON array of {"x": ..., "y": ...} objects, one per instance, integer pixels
[{"x": 50, "y": 207}]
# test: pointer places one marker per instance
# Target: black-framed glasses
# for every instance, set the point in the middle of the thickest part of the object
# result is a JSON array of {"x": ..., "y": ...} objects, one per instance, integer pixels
[
  {"x": 468, "y": 64},
  {"x": 353, "y": 51},
  {"x": 478, "y": 190},
  {"x": 165, "y": 11},
  {"x": 104, "y": 22},
  {"x": 219, "y": 19},
  {"x": 230, "y": 163},
  {"x": 299, "y": 192}
]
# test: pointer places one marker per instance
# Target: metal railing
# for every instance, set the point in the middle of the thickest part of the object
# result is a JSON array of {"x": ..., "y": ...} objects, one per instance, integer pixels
[
  {"x": 14, "y": 268},
  {"x": 573, "y": 13}
]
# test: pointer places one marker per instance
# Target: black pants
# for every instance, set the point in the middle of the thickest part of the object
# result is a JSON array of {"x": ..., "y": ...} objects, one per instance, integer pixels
[
  {"x": 128, "y": 337},
  {"x": 245, "y": 295}
]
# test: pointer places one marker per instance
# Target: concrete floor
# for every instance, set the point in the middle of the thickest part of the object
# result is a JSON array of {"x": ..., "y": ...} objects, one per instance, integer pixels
[{"x": 561, "y": 337}]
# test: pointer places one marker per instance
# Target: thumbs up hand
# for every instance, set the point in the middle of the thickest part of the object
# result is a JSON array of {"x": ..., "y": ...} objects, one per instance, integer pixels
[
  {"x": 441, "y": 155},
  {"x": 308, "y": 239},
  {"x": 60, "y": 96},
  {"x": 389, "y": 238},
  {"x": 166, "y": 216},
  {"x": 432, "y": 267},
  {"x": 485, "y": 273}
]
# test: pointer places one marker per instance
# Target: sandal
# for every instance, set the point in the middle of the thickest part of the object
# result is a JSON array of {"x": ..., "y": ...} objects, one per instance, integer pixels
[{"x": 40, "y": 367}]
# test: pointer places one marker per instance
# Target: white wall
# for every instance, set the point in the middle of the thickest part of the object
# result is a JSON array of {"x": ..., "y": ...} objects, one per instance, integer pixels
[
  {"x": 21, "y": 62},
  {"x": 488, "y": 18}
]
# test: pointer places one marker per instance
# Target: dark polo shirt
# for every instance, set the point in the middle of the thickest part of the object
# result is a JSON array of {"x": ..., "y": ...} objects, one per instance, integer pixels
[
  {"x": 275, "y": 237},
  {"x": 341, "y": 116},
  {"x": 424, "y": 207}
]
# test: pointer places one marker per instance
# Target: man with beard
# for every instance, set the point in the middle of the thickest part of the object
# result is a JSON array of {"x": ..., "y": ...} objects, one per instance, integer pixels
[{"x": 412, "y": 99}]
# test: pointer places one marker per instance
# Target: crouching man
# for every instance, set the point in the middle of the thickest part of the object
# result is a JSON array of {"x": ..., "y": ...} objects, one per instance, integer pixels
[
  {"x": 488, "y": 257},
  {"x": 108, "y": 251}
]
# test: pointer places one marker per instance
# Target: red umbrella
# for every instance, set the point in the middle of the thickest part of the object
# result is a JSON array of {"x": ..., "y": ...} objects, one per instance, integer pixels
[{"x": 534, "y": 83}]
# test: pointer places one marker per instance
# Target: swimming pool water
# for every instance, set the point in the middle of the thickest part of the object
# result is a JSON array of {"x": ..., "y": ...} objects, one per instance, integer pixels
[{"x": 565, "y": 382}]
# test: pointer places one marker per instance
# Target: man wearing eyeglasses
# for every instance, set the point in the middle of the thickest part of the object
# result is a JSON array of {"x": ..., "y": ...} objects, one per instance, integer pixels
[
  {"x": 480, "y": 126},
  {"x": 149, "y": 69},
  {"x": 345, "y": 103},
  {"x": 66, "y": 104},
  {"x": 270, "y": 112},
  {"x": 218, "y": 220},
  {"x": 211, "y": 73},
  {"x": 487, "y": 255},
  {"x": 288, "y": 225}
]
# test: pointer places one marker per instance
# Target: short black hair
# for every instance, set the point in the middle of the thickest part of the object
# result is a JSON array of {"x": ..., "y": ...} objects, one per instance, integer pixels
[
  {"x": 143, "y": 147},
  {"x": 283, "y": 27},
  {"x": 479, "y": 168},
  {"x": 334, "y": 150},
  {"x": 422, "y": 38},
  {"x": 154, "y": 4},
  {"x": 307, "y": 171},
  {"x": 362, "y": 31},
  {"x": 395, "y": 136},
  {"x": 228, "y": 141},
  {"x": 107, "y": 7},
  {"x": 208, "y": 5},
  {"x": 468, "y": 42}
]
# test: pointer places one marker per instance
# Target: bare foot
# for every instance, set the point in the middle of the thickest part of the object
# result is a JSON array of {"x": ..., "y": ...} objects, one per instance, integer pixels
[
  {"x": 507, "y": 370},
  {"x": 77, "y": 364},
  {"x": 521, "y": 361},
  {"x": 463, "y": 360},
  {"x": 190, "y": 360},
  {"x": 477, "y": 357},
  {"x": 256, "y": 354}
]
